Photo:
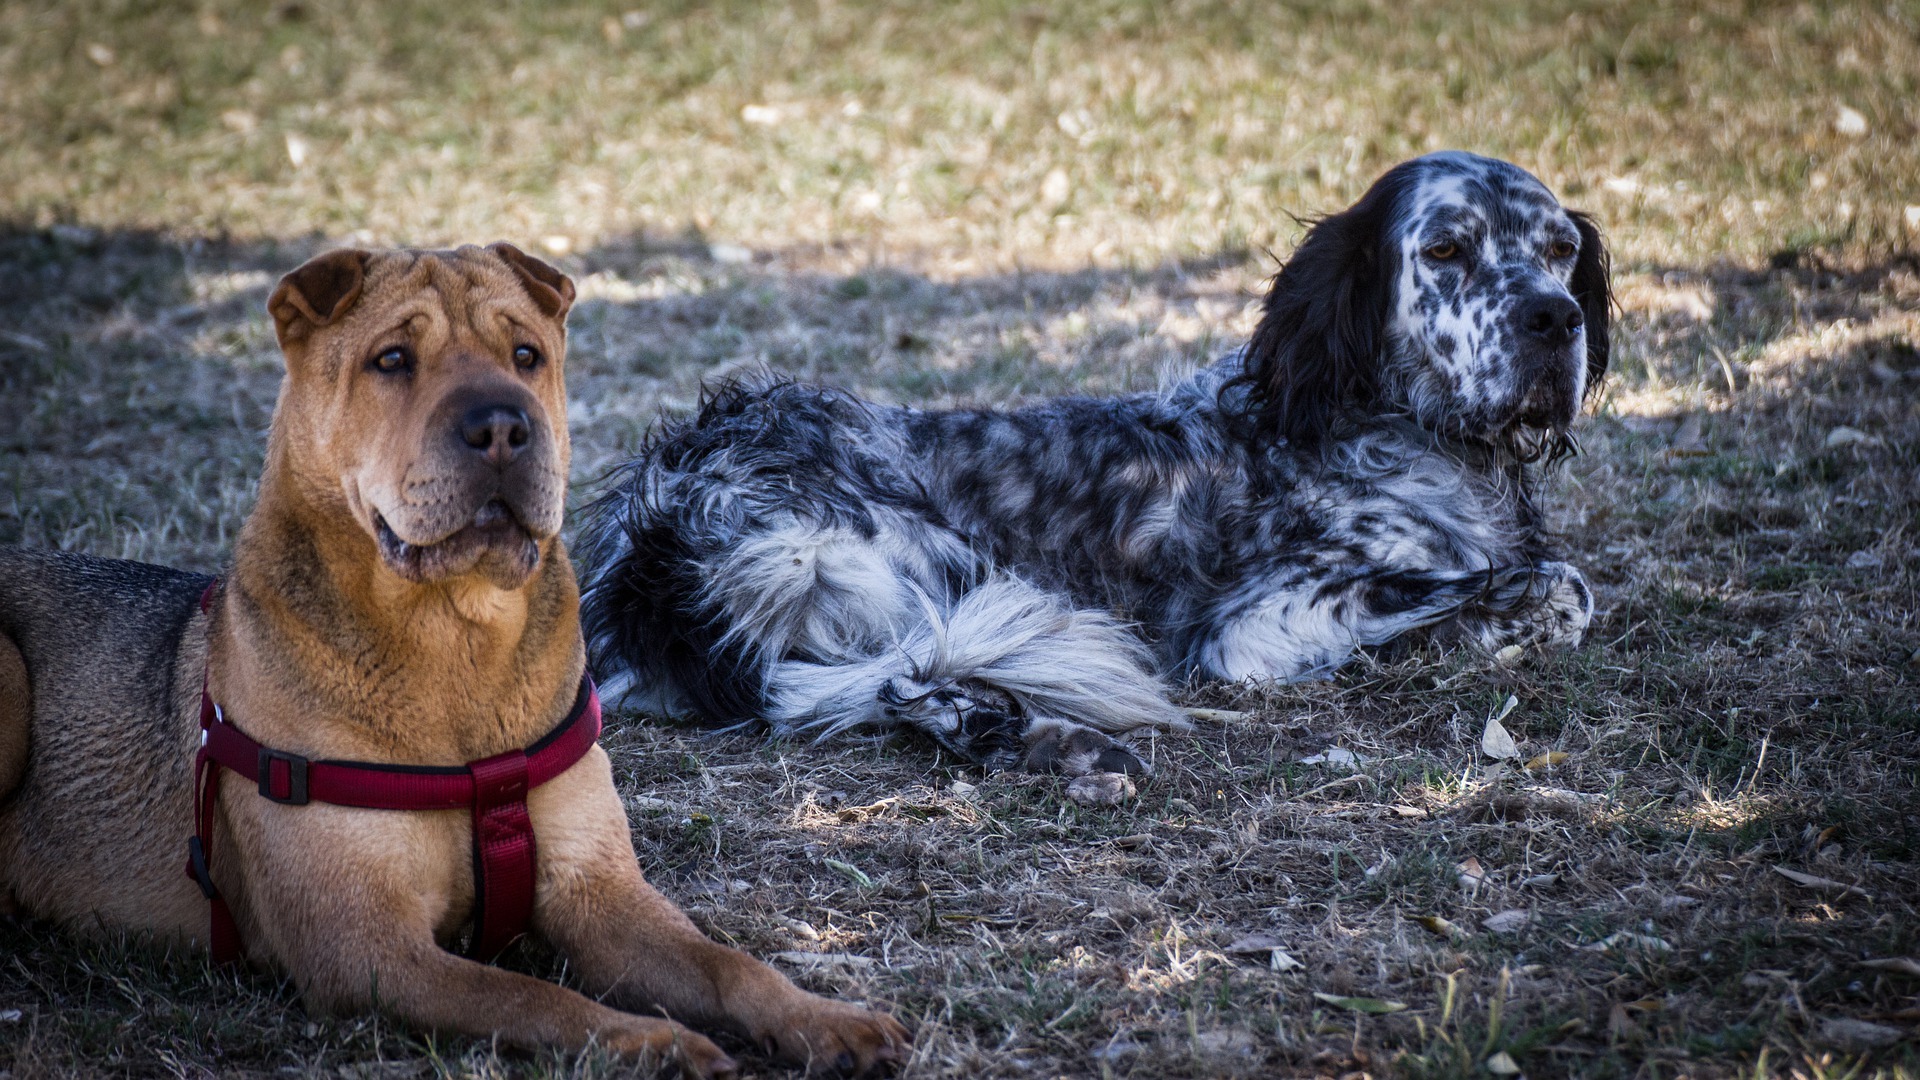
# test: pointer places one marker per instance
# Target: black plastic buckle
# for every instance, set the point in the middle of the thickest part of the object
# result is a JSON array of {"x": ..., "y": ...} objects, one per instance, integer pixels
[
  {"x": 197, "y": 866},
  {"x": 296, "y": 777}
]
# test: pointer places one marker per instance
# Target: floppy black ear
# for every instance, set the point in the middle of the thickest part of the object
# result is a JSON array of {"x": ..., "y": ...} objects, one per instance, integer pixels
[
  {"x": 1593, "y": 291},
  {"x": 1315, "y": 355}
]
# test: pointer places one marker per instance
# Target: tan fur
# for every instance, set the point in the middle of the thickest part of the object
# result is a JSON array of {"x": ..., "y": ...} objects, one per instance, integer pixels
[{"x": 322, "y": 644}]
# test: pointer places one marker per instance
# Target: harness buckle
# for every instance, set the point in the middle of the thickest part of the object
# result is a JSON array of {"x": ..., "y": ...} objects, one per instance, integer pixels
[
  {"x": 296, "y": 774},
  {"x": 197, "y": 867}
]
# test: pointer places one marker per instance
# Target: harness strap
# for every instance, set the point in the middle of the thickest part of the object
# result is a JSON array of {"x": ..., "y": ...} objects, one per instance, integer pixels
[{"x": 504, "y": 853}]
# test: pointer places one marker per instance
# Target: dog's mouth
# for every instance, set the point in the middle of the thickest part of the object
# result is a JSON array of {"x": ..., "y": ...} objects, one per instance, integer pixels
[{"x": 494, "y": 536}]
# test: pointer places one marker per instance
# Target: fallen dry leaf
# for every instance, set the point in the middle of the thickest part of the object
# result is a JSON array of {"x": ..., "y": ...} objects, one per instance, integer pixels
[
  {"x": 1502, "y": 1064},
  {"x": 1813, "y": 882},
  {"x": 1495, "y": 742},
  {"x": 1551, "y": 757},
  {"x": 1254, "y": 944},
  {"x": 1361, "y": 1004},
  {"x": 1471, "y": 875},
  {"x": 1621, "y": 940},
  {"x": 1278, "y": 958},
  {"x": 1440, "y": 926},
  {"x": 1405, "y": 811},
  {"x": 1506, "y": 922},
  {"x": 1858, "y": 1035},
  {"x": 1332, "y": 755},
  {"x": 1898, "y": 965}
]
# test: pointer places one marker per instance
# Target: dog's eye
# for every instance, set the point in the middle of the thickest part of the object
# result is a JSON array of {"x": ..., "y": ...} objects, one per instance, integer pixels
[
  {"x": 1560, "y": 249},
  {"x": 526, "y": 357},
  {"x": 392, "y": 360},
  {"x": 1442, "y": 251}
]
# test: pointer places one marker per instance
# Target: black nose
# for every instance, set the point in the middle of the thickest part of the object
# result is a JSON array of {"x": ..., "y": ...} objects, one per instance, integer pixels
[
  {"x": 1552, "y": 319},
  {"x": 498, "y": 431}
]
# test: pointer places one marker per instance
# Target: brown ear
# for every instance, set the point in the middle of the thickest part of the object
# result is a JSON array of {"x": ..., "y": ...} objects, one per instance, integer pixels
[
  {"x": 550, "y": 289},
  {"x": 320, "y": 291}
]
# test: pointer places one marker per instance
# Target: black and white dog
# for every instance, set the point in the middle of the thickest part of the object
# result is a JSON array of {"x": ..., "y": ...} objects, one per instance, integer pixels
[{"x": 1018, "y": 583}]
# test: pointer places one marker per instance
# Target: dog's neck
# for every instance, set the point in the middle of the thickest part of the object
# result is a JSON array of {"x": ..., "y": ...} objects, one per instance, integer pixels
[{"x": 440, "y": 673}]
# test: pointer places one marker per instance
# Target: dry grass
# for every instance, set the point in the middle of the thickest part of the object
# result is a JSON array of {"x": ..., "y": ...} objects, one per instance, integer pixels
[{"x": 861, "y": 194}]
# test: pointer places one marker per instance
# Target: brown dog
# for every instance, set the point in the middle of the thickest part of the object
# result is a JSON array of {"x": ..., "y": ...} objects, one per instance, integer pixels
[{"x": 399, "y": 595}]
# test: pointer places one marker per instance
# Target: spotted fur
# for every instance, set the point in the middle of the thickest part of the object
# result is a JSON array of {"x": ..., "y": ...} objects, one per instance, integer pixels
[{"x": 1020, "y": 584}]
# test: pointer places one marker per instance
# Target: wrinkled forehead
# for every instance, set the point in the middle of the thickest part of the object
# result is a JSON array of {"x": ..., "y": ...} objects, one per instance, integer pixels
[
  {"x": 1491, "y": 196},
  {"x": 444, "y": 295}
]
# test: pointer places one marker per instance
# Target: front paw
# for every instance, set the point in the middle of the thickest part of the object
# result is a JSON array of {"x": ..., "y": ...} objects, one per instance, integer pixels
[
  {"x": 825, "y": 1036},
  {"x": 1547, "y": 605},
  {"x": 651, "y": 1043},
  {"x": 1061, "y": 746}
]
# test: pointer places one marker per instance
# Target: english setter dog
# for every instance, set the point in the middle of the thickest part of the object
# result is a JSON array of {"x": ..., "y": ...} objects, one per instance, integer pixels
[{"x": 1019, "y": 584}]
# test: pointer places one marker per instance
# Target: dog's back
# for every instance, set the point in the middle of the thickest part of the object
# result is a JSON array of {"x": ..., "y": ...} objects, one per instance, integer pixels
[{"x": 112, "y": 683}]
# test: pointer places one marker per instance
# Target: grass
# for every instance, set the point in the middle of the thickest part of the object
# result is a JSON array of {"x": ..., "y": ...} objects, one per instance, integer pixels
[{"x": 992, "y": 202}]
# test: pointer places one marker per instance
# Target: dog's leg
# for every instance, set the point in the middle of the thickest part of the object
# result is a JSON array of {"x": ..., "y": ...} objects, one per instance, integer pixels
[
  {"x": 632, "y": 946},
  {"x": 346, "y": 902},
  {"x": 16, "y": 715},
  {"x": 1009, "y": 676},
  {"x": 1312, "y": 624}
]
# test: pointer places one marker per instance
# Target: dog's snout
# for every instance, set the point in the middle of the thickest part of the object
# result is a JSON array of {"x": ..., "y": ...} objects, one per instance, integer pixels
[
  {"x": 1553, "y": 320},
  {"x": 496, "y": 430}
]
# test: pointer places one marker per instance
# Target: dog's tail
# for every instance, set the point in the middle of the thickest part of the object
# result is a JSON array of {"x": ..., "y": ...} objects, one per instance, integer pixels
[
  {"x": 1052, "y": 659},
  {"x": 16, "y": 715}
]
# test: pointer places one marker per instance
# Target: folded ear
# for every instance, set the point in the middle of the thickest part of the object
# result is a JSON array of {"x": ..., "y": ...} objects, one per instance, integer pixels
[
  {"x": 1593, "y": 292},
  {"x": 1314, "y": 358},
  {"x": 549, "y": 288},
  {"x": 317, "y": 293}
]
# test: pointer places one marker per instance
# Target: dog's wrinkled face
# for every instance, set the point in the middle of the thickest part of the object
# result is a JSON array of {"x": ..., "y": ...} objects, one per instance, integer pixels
[
  {"x": 425, "y": 395},
  {"x": 1485, "y": 333}
]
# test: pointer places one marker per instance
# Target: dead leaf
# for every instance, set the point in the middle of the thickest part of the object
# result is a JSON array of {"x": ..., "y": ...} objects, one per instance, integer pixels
[
  {"x": 1509, "y": 655},
  {"x": 1440, "y": 926},
  {"x": 1830, "y": 885},
  {"x": 1622, "y": 940},
  {"x": 1101, "y": 789},
  {"x": 1551, "y": 757},
  {"x": 1282, "y": 960},
  {"x": 1540, "y": 881},
  {"x": 1333, "y": 755},
  {"x": 1859, "y": 1035},
  {"x": 1361, "y": 1004},
  {"x": 1849, "y": 436},
  {"x": 849, "y": 871},
  {"x": 1254, "y": 944},
  {"x": 1495, "y": 742},
  {"x": 1620, "y": 1025},
  {"x": 1506, "y": 922},
  {"x": 1471, "y": 875},
  {"x": 1405, "y": 811},
  {"x": 1277, "y": 957},
  {"x": 1502, "y": 1064},
  {"x": 1898, "y": 965}
]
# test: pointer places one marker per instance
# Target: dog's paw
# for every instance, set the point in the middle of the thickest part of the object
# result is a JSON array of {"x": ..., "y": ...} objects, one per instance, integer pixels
[
  {"x": 1547, "y": 605},
  {"x": 653, "y": 1043},
  {"x": 974, "y": 720},
  {"x": 825, "y": 1036},
  {"x": 1061, "y": 746}
]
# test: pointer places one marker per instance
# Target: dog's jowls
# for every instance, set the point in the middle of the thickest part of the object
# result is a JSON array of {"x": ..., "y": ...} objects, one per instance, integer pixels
[
  {"x": 399, "y": 595},
  {"x": 1018, "y": 583}
]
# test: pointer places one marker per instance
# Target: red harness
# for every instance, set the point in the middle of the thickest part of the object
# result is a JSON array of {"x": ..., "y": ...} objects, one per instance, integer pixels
[{"x": 496, "y": 788}]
